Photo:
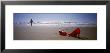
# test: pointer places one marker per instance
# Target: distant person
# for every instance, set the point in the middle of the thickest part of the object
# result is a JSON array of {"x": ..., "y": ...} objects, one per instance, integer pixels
[
  {"x": 31, "y": 21},
  {"x": 75, "y": 33}
]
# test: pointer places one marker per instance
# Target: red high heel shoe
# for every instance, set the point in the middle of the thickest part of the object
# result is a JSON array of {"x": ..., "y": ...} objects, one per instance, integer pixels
[
  {"x": 62, "y": 33},
  {"x": 75, "y": 33}
]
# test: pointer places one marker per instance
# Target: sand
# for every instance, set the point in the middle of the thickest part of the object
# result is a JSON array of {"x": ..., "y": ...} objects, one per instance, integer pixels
[{"x": 51, "y": 33}]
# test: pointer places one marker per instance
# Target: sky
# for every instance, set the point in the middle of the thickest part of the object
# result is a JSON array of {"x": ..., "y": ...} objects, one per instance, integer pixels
[{"x": 56, "y": 17}]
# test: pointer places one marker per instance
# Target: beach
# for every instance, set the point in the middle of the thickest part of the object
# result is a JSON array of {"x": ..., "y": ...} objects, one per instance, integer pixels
[{"x": 51, "y": 33}]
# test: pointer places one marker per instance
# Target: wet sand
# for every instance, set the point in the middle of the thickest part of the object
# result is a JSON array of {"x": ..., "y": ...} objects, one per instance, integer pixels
[{"x": 51, "y": 33}]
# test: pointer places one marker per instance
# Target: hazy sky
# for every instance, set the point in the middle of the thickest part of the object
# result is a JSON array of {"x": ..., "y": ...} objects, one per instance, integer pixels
[{"x": 55, "y": 17}]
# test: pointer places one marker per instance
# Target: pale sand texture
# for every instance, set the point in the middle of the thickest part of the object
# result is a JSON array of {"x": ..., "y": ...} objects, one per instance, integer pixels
[{"x": 51, "y": 33}]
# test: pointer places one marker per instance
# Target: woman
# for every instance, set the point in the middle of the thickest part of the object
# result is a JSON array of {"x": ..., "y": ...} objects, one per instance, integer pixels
[{"x": 31, "y": 21}]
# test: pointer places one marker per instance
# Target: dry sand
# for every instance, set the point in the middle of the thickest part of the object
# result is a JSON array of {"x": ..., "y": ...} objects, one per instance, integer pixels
[{"x": 51, "y": 33}]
